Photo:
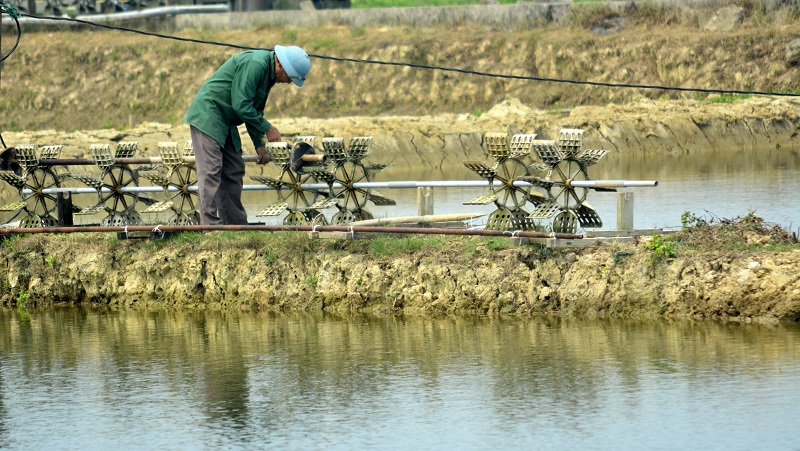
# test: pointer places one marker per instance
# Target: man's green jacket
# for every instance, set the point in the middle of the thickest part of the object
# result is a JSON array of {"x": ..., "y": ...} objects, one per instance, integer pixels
[{"x": 236, "y": 94}]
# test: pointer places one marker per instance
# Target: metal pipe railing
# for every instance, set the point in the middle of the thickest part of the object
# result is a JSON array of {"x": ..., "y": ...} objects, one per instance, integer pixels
[
  {"x": 307, "y": 158},
  {"x": 607, "y": 184},
  {"x": 123, "y": 15}
]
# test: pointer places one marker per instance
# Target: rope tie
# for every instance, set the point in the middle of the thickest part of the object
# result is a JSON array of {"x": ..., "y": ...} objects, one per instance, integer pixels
[
  {"x": 352, "y": 233},
  {"x": 158, "y": 229},
  {"x": 13, "y": 12}
]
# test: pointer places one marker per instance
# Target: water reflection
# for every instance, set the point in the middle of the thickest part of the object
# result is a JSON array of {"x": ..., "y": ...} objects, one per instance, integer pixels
[
  {"x": 4, "y": 415},
  {"x": 181, "y": 379},
  {"x": 723, "y": 184}
]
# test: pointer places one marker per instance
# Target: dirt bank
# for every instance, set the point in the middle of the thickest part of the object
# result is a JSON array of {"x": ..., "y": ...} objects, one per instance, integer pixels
[
  {"x": 289, "y": 271},
  {"x": 444, "y": 141},
  {"x": 92, "y": 79}
]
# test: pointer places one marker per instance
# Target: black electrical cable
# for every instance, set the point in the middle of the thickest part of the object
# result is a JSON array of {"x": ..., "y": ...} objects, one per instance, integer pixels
[
  {"x": 428, "y": 67},
  {"x": 555, "y": 80},
  {"x": 14, "y": 14},
  {"x": 2, "y": 9},
  {"x": 11, "y": 11}
]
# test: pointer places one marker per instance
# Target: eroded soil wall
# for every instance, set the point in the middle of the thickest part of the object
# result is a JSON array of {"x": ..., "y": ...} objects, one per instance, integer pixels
[{"x": 457, "y": 275}]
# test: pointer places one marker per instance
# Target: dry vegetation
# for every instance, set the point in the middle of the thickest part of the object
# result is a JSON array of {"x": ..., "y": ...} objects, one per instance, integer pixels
[{"x": 747, "y": 232}]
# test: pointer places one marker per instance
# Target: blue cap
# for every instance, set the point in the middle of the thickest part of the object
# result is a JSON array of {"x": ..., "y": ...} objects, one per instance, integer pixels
[{"x": 295, "y": 62}]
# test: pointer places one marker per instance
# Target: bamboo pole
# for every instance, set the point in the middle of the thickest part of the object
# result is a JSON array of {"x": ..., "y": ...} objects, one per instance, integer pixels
[{"x": 418, "y": 219}]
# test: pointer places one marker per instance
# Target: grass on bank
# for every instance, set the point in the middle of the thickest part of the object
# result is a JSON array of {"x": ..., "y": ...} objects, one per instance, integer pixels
[
  {"x": 278, "y": 245},
  {"x": 699, "y": 233}
]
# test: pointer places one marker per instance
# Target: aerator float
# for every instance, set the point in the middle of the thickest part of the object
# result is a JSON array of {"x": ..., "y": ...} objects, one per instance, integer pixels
[
  {"x": 314, "y": 177},
  {"x": 559, "y": 169}
]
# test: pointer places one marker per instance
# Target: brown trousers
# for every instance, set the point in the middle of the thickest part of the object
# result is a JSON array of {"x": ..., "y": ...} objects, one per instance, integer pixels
[{"x": 220, "y": 174}]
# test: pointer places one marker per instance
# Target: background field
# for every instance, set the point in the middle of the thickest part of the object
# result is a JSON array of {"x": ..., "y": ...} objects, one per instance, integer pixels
[{"x": 93, "y": 78}]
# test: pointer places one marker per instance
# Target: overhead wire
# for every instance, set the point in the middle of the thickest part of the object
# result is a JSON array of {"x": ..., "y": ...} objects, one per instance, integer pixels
[
  {"x": 14, "y": 14},
  {"x": 557, "y": 80},
  {"x": 428, "y": 67}
]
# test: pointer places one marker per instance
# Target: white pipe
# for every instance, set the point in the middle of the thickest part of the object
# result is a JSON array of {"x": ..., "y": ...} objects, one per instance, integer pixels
[
  {"x": 124, "y": 15},
  {"x": 154, "y": 12},
  {"x": 369, "y": 185},
  {"x": 613, "y": 183}
]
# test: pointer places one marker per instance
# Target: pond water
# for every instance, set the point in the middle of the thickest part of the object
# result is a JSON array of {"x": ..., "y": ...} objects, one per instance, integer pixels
[
  {"x": 716, "y": 185},
  {"x": 76, "y": 378}
]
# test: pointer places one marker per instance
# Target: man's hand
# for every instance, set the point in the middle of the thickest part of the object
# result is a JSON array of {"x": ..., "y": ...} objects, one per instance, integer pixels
[
  {"x": 273, "y": 135},
  {"x": 263, "y": 156}
]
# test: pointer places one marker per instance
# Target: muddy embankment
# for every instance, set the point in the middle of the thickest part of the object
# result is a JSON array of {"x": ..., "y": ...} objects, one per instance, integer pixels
[{"x": 454, "y": 276}]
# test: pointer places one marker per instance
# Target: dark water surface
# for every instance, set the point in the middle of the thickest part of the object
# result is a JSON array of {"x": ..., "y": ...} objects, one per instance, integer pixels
[{"x": 77, "y": 378}]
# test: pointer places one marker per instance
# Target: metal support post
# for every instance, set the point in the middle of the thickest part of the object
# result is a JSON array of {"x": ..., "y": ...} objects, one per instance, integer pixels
[
  {"x": 64, "y": 203},
  {"x": 425, "y": 201},
  {"x": 625, "y": 211}
]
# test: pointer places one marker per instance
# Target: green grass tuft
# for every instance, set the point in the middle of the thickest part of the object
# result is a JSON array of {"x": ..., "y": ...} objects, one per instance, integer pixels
[{"x": 385, "y": 246}]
